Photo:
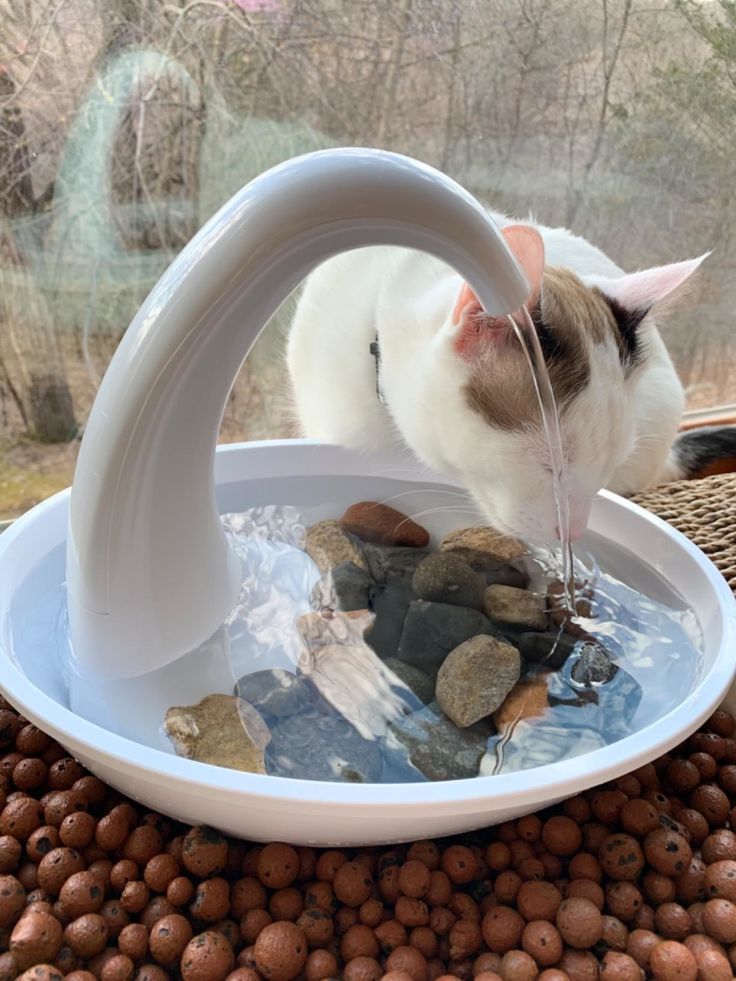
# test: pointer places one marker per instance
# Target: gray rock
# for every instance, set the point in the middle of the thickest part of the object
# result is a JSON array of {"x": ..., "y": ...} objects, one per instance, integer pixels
[
  {"x": 517, "y": 607},
  {"x": 438, "y": 748},
  {"x": 446, "y": 578},
  {"x": 322, "y": 747},
  {"x": 475, "y": 678},
  {"x": 432, "y": 630},
  {"x": 328, "y": 545},
  {"x": 551, "y": 649},
  {"x": 593, "y": 666},
  {"x": 276, "y": 693},
  {"x": 346, "y": 587},
  {"x": 503, "y": 575},
  {"x": 387, "y": 563},
  {"x": 418, "y": 681},
  {"x": 605, "y": 695},
  {"x": 482, "y": 545},
  {"x": 390, "y": 604}
]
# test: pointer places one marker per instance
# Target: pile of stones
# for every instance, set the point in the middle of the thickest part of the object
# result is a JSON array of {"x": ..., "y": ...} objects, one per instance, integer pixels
[{"x": 417, "y": 664}]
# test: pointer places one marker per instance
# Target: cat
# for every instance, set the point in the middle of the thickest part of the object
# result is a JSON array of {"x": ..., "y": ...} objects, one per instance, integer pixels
[{"x": 389, "y": 347}]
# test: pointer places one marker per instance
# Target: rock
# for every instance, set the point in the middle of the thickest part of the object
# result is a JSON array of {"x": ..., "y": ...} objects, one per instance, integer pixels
[
  {"x": 275, "y": 693},
  {"x": 387, "y": 563},
  {"x": 418, "y": 681},
  {"x": 322, "y": 747},
  {"x": 432, "y": 630},
  {"x": 504, "y": 575},
  {"x": 551, "y": 649},
  {"x": 475, "y": 678},
  {"x": 483, "y": 545},
  {"x": 437, "y": 748},
  {"x": 560, "y": 615},
  {"x": 604, "y": 695},
  {"x": 506, "y": 604},
  {"x": 526, "y": 700},
  {"x": 374, "y": 522},
  {"x": 346, "y": 587},
  {"x": 334, "y": 627},
  {"x": 222, "y": 730},
  {"x": 389, "y": 602},
  {"x": 356, "y": 683},
  {"x": 328, "y": 545},
  {"x": 593, "y": 666},
  {"x": 445, "y": 578}
]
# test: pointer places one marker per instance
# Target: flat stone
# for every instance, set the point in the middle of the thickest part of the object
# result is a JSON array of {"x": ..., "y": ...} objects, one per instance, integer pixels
[
  {"x": 322, "y": 747},
  {"x": 432, "y": 630},
  {"x": 276, "y": 693},
  {"x": 551, "y": 649},
  {"x": 437, "y": 748},
  {"x": 333, "y": 627},
  {"x": 445, "y": 578},
  {"x": 329, "y": 545},
  {"x": 475, "y": 678},
  {"x": 374, "y": 522},
  {"x": 388, "y": 563},
  {"x": 418, "y": 681},
  {"x": 518, "y": 607},
  {"x": 222, "y": 730},
  {"x": 482, "y": 545},
  {"x": 389, "y": 602},
  {"x": 346, "y": 587},
  {"x": 526, "y": 700},
  {"x": 356, "y": 683}
]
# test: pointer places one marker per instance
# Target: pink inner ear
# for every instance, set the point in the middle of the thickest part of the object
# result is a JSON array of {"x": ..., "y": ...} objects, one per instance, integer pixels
[
  {"x": 467, "y": 304},
  {"x": 641, "y": 290},
  {"x": 528, "y": 248}
]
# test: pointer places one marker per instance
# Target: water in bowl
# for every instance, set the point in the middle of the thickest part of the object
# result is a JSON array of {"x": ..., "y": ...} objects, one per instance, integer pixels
[{"x": 647, "y": 628}]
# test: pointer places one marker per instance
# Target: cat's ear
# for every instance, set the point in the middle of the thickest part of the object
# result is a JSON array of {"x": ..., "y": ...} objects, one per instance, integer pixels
[
  {"x": 475, "y": 330},
  {"x": 638, "y": 292},
  {"x": 527, "y": 246}
]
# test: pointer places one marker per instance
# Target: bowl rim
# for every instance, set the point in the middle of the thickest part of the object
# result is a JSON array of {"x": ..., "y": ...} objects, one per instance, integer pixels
[{"x": 557, "y": 780}]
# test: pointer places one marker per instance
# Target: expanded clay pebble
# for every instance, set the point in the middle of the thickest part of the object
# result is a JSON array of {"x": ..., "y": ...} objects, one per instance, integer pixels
[{"x": 638, "y": 876}]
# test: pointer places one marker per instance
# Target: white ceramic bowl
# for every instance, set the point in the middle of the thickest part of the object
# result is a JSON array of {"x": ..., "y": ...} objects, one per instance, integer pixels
[{"x": 265, "y": 808}]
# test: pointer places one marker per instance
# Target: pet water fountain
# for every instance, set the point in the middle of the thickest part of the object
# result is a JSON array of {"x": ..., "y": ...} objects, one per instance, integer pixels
[{"x": 148, "y": 573}]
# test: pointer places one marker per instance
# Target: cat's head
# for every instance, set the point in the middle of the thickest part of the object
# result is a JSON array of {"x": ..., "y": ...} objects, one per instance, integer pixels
[{"x": 593, "y": 333}]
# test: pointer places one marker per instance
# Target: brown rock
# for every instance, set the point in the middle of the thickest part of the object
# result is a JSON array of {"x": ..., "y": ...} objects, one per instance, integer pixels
[
  {"x": 329, "y": 545},
  {"x": 222, "y": 730},
  {"x": 483, "y": 545},
  {"x": 507, "y": 604},
  {"x": 475, "y": 679},
  {"x": 374, "y": 522},
  {"x": 526, "y": 700}
]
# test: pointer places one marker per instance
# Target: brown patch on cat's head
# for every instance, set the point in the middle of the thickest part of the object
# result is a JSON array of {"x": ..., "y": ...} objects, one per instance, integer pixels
[{"x": 570, "y": 320}]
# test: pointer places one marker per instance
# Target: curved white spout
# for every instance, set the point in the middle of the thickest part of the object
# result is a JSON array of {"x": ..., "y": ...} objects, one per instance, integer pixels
[{"x": 149, "y": 573}]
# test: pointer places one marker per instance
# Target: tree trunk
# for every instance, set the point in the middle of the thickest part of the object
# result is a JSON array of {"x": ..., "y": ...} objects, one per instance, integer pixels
[{"x": 30, "y": 356}]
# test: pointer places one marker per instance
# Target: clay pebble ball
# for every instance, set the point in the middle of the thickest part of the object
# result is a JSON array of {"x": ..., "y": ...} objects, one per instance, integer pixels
[{"x": 631, "y": 880}]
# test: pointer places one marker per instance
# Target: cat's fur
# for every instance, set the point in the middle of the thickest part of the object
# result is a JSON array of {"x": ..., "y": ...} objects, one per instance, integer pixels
[{"x": 455, "y": 385}]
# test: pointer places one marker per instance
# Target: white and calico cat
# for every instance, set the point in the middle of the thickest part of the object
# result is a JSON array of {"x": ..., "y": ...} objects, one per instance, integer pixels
[{"x": 454, "y": 383}]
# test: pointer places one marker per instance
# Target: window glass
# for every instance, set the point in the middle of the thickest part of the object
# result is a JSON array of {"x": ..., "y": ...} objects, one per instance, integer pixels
[{"x": 125, "y": 124}]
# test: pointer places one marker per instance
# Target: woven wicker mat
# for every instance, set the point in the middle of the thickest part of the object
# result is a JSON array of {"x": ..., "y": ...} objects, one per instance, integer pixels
[{"x": 705, "y": 511}]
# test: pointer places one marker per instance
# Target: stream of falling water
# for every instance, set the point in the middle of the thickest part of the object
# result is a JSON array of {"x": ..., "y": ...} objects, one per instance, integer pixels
[{"x": 524, "y": 328}]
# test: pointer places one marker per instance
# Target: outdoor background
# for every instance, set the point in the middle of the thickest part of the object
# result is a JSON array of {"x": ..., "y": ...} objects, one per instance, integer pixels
[{"x": 125, "y": 124}]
